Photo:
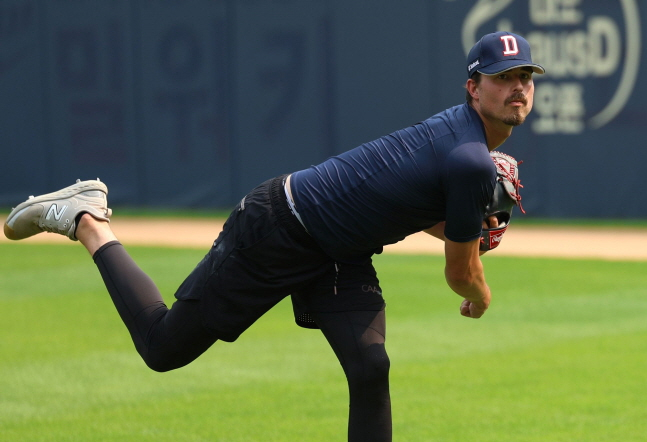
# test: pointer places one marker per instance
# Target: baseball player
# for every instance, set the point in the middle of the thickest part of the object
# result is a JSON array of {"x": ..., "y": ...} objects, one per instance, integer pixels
[{"x": 311, "y": 235}]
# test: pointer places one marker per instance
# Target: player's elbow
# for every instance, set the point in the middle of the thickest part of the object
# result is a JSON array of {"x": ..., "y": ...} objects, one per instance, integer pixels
[
  {"x": 459, "y": 281},
  {"x": 462, "y": 278},
  {"x": 463, "y": 267}
]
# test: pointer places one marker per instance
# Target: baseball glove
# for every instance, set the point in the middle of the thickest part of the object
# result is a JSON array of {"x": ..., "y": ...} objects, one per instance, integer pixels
[{"x": 506, "y": 196}]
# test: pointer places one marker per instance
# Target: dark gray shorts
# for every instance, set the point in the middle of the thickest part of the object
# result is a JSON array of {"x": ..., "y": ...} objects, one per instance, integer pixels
[{"x": 263, "y": 255}]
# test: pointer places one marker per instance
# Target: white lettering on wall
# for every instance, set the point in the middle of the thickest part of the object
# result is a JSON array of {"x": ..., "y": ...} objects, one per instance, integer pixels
[
  {"x": 555, "y": 12},
  {"x": 595, "y": 51}
]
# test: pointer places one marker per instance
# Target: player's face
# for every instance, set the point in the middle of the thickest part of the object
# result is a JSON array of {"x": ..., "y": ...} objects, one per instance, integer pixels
[{"x": 506, "y": 97}]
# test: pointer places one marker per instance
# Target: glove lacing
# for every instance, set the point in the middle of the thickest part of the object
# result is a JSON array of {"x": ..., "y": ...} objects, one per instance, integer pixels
[{"x": 510, "y": 173}]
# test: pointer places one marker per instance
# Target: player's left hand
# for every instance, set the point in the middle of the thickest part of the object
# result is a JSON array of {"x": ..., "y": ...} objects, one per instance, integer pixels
[
  {"x": 490, "y": 222},
  {"x": 504, "y": 198}
]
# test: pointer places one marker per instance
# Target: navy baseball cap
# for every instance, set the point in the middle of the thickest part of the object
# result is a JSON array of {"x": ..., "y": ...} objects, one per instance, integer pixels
[{"x": 498, "y": 52}]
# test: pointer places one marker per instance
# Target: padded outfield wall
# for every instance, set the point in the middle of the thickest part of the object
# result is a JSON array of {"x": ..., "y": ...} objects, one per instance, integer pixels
[{"x": 191, "y": 103}]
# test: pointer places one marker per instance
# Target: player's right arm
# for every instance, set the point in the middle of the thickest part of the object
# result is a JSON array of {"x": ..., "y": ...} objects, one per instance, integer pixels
[
  {"x": 468, "y": 178},
  {"x": 465, "y": 276}
]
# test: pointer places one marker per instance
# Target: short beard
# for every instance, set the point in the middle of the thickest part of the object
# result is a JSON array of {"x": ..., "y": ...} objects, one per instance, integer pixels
[{"x": 515, "y": 120}]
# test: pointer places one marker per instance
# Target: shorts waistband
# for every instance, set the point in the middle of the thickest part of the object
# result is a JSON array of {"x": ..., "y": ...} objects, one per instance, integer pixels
[{"x": 284, "y": 214}]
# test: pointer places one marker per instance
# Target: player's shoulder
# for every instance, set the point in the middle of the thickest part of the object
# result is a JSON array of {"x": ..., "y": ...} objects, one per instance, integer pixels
[
  {"x": 458, "y": 117},
  {"x": 471, "y": 159},
  {"x": 455, "y": 124}
]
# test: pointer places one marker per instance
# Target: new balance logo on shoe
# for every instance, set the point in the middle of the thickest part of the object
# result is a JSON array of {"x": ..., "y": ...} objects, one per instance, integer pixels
[{"x": 53, "y": 211}]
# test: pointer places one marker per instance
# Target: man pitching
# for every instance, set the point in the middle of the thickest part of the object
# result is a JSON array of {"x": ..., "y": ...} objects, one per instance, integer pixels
[{"x": 311, "y": 235}]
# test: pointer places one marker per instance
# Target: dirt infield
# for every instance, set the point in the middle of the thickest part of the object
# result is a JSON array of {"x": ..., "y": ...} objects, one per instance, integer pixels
[{"x": 570, "y": 242}]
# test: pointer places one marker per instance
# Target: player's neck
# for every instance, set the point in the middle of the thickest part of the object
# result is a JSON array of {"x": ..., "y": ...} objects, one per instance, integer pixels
[{"x": 496, "y": 131}]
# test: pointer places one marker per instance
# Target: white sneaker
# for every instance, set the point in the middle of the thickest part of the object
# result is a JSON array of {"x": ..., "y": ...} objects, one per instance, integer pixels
[{"x": 58, "y": 212}]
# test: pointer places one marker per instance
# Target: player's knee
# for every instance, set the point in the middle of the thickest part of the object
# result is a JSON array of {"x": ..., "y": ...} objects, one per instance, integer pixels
[
  {"x": 159, "y": 365},
  {"x": 162, "y": 362},
  {"x": 377, "y": 365},
  {"x": 373, "y": 369}
]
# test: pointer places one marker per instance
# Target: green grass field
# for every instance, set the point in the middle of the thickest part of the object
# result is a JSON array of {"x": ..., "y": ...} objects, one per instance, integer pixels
[{"x": 560, "y": 356}]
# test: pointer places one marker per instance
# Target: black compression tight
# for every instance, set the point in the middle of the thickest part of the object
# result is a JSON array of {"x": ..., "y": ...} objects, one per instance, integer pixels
[
  {"x": 168, "y": 339},
  {"x": 358, "y": 341},
  {"x": 165, "y": 338}
]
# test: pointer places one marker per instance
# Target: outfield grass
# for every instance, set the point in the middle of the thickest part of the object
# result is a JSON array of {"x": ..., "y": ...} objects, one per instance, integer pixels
[{"x": 560, "y": 356}]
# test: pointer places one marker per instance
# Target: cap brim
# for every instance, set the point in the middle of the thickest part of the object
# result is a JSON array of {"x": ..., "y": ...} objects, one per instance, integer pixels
[{"x": 506, "y": 65}]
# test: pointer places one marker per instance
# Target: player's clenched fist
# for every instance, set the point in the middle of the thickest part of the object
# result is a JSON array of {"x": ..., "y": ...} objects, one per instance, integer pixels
[{"x": 471, "y": 309}]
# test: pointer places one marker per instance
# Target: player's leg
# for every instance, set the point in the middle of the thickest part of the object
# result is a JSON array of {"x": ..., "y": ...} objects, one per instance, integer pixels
[
  {"x": 262, "y": 255},
  {"x": 166, "y": 339},
  {"x": 357, "y": 339}
]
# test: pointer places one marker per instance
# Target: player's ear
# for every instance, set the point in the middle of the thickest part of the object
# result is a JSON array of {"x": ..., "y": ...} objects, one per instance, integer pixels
[{"x": 472, "y": 88}]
